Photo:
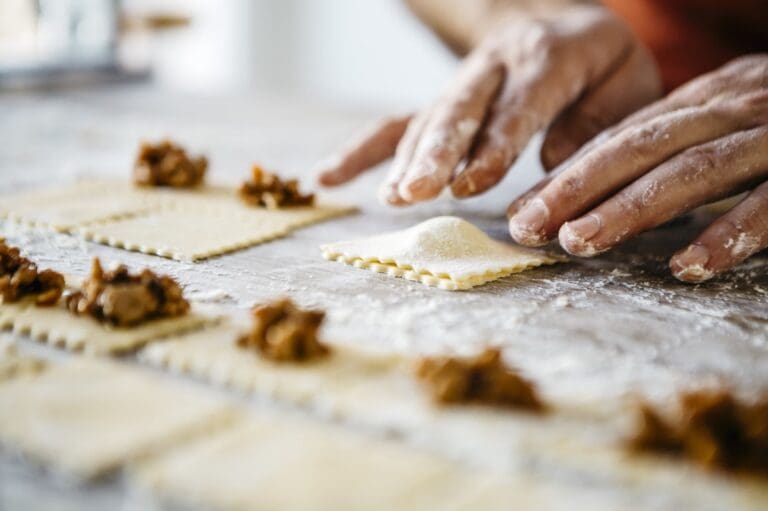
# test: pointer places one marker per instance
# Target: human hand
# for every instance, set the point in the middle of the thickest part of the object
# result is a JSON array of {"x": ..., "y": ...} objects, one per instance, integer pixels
[
  {"x": 575, "y": 73},
  {"x": 705, "y": 141}
]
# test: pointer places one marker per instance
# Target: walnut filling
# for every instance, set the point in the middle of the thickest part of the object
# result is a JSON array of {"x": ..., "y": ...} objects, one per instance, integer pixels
[
  {"x": 282, "y": 332},
  {"x": 167, "y": 164},
  {"x": 712, "y": 428},
  {"x": 118, "y": 298},
  {"x": 482, "y": 379},
  {"x": 19, "y": 278},
  {"x": 268, "y": 190}
]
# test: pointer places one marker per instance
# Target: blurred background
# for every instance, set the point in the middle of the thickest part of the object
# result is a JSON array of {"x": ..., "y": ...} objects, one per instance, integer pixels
[
  {"x": 370, "y": 54},
  {"x": 279, "y": 82}
]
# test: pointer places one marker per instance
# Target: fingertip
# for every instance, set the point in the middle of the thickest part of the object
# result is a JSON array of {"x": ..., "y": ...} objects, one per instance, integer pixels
[
  {"x": 329, "y": 178},
  {"x": 577, "y": 237},
  {"x": 691, "y": 264},
  {"x": 527, "y": 225},
  {"x": 465, "y": 185},
  {"x": 462, "y": 187}
]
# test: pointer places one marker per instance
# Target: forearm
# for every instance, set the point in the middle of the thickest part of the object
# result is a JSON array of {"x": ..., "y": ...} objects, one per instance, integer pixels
[{"x": 461, "y": 24}]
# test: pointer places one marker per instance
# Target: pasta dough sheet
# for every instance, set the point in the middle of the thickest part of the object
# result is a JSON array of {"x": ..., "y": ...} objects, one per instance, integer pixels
[
  {"x": 381, "y": 392},
  {"x": 13, "y": 364},
  {"x": 445, "y": 252},
  {"x": 378, "y": 391},
  {"x": 212, "y": 228},
  {"x": 285, "y": 464},
  {"x": 269, "y": 463},
  {"x": 66, "y": 208},
  {"x": 59, "y": 327},
  {"x": 87, "y": 417},
  {"x": 213, "y": 355}
]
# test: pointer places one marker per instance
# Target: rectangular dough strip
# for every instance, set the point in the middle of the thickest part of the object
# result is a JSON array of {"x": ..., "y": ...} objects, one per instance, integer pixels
[
  {"x": 185, "y": 233},
  {"x": 59, "y": 327},
  {"x": 86, "y": 417},
  {"x": 270, "y": 463},
  {"x": 66, "y": 208}
]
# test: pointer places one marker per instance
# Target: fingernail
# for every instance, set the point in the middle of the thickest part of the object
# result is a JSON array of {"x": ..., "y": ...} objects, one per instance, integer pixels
[
  {"x": 584, "y": 229},
  {"x": 574, "y": 236},
  {"x": 388, "y": 195},
  {"x": 695, "y": 255},
  {"x": 532, "y": 217},
  {"x": 462, "y": 186},
  {"x": 417, "y": 189},
  {"x": 525, "y": 227},
  {"x": 690, "y": 264}
]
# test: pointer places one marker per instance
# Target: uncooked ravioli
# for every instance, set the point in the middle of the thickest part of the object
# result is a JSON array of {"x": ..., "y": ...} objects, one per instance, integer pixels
[{"x": 445, "y": 252}]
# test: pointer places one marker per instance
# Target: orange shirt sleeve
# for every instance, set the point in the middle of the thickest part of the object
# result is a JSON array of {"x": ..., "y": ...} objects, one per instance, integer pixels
[{"x": 692, "y": 37}]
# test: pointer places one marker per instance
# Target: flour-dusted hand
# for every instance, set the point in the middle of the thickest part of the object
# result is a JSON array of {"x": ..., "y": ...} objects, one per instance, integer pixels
[
  {"x": 705, "y": 141},
  {"x": 574, "y": 71}
]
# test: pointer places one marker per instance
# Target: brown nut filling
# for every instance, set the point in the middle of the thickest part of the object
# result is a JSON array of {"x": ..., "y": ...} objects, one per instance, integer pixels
[
  {"x": 712, "y": 428},
  {"x": 120, "y": 299},
  {"x": 481, "y": 379},
  {"x": 284, "y": 333},
  {"x": 167, "y": 164},
  {"x": 268, "y": 190},
  {"x": 19, "y": 278}
]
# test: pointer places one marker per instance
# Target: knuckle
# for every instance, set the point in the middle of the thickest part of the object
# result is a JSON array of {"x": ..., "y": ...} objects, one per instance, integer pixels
[
  {"x": 755, "y": 106},
  {"x": 630, "y": 204},
  {"x": 706, "y": 158},
  {"x": 641, "y": 142}
]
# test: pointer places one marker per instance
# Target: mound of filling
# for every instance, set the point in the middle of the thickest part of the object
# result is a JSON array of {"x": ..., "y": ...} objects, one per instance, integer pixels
[
  {"x": 167, "y": 164},
  {"x": 122, "y": 299},
  {"x": 282, "y": 332},
  {"x": 268, "y": 190},
  {"x": 481, "y": 379},
  {"x": 713, "y": 428},
  {"x": 20, "y": 278}
]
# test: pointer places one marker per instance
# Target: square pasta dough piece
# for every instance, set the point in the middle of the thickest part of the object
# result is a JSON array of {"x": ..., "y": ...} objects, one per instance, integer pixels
[
  {"x": 86, "y": 417},
  {"x": 213, "y": 355},
  {"x": 445, "y": 252},
  {"x": 285, "y": 464},
  {"x": 185, "y": 233},
  {"x": 68, "y": 207},
  {"x": 59, "y": 327}
]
